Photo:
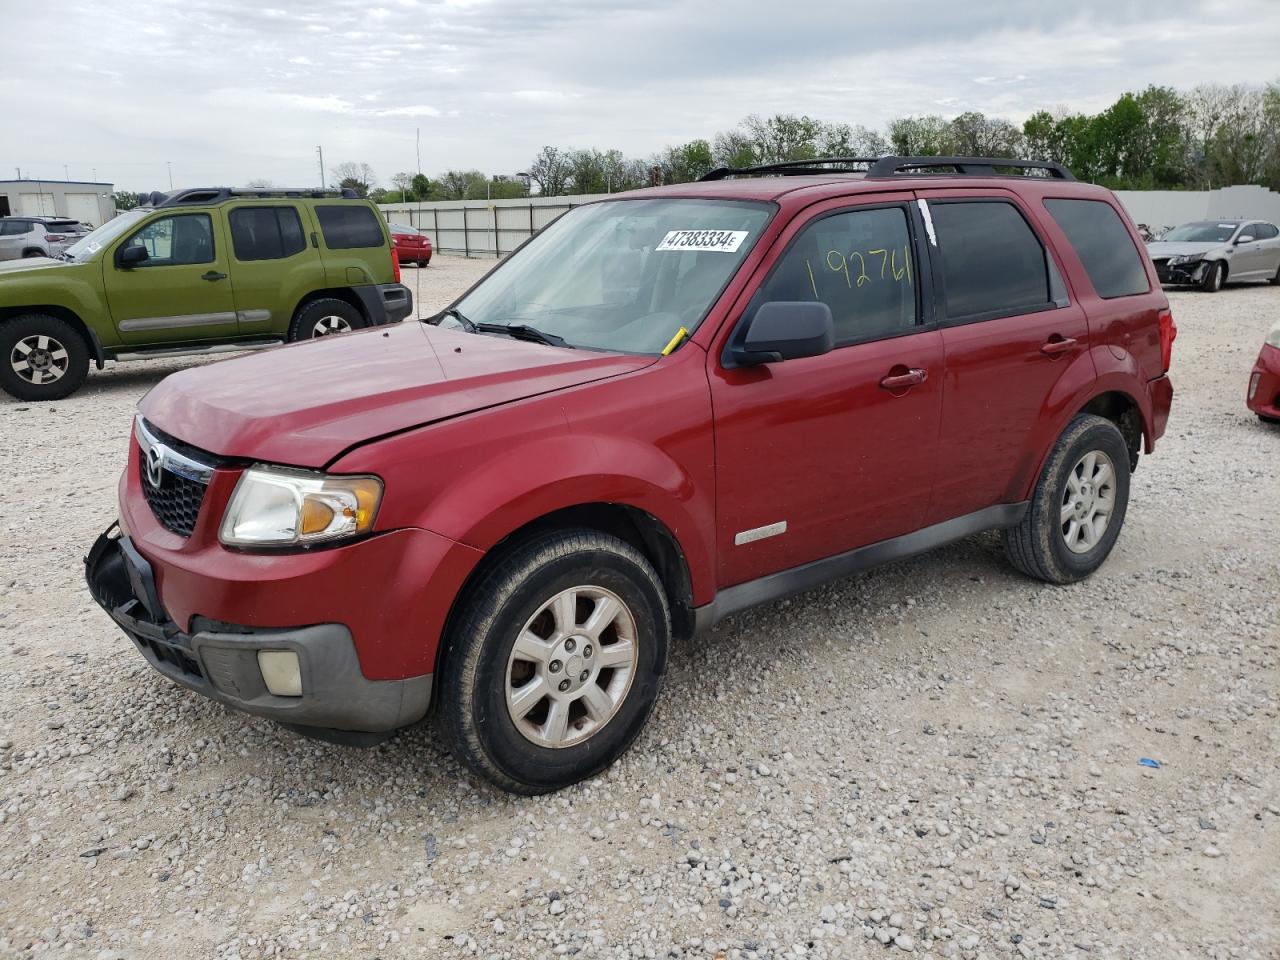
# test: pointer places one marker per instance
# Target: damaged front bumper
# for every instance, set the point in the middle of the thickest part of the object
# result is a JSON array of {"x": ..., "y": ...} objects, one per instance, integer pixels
[
  {"x": 221, "y": 661},
  {"x": 1186, "y": 272}
]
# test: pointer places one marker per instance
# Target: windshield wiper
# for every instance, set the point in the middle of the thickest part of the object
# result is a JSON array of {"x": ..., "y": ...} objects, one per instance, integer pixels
[
  {"x": 457, "y": 314},
  {"x": 522, "y": 331}
]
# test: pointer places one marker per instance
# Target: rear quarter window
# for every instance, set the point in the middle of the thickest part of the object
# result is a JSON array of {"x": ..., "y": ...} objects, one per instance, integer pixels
[
  {"x": 349, "y": 226},
  {"x": 1103, "y": 245}
]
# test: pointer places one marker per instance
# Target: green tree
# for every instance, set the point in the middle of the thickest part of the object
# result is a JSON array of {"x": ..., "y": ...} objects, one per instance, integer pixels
[
  {"x": 924, "y": 136},
  {"x": 686, "y": 162},
  {"x": 355, "y": 176},
  {"x": 419, "y": 187},
  {"x": 550, "y": 171},
  {"x": 124, "y": 199}
]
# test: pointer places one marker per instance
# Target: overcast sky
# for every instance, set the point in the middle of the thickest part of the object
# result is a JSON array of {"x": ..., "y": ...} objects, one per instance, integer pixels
[{"x": 232, "y": 90}]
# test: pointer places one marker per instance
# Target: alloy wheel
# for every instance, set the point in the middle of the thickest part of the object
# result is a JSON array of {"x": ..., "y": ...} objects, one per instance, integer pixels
[
  {"x": 571, "y": 666},
  {"x": 39, "y": 359},
  {"x": 1088, "y": 501},
  {"x": 329, "y": 325}
]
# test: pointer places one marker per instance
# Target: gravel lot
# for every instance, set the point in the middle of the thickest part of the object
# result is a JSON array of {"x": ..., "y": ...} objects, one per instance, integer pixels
[{"x": 938, "y": 758}]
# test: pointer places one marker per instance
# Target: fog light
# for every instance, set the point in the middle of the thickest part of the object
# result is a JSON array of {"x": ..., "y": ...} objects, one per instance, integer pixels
[
  {"x": 1253, "y": 385},
  {"x": 281, "y": 672}
]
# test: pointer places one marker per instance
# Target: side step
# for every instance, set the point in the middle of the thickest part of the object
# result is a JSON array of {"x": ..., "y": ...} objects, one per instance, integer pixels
[{"x": 194, "y": 351}]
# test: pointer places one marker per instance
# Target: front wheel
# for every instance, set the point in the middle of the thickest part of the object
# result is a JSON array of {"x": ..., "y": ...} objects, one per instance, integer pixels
[
  {"x": 323, "y": 318},
  {"x": 1078, "y": 507},
  {"x": 555, "y": 662},
  {"x": 42, "y": 357},
  {"x": 1212, "y": 281}
]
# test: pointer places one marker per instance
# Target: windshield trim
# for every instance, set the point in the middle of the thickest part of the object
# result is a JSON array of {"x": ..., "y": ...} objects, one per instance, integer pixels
[{"x": 771, "y": 205}]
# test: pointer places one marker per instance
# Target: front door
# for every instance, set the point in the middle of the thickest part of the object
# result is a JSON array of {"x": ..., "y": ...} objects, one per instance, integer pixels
[
  {"x": 1256, "y": 258},
  {"x": 182, "y": 291},
  {"x": 1010, "y": 333},
  {"x": 819, "y": 455}
]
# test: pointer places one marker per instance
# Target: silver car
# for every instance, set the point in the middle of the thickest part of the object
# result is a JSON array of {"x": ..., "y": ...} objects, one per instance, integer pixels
[
  {"x": 1208, "y": 253},
  {"x": 37, "y": 236}
]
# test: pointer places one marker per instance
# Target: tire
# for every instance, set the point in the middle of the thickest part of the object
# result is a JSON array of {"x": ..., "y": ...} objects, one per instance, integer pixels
[
  {"x": 522, "y": 597},
  {"x": 1040, "y": 545},
  {"x": 42, "y": 357},
  {"x": 28, "y": 254},
  {"x": 427, "y": 263},
  {"x": 325, "y": 317},
  {"x": 1214, "y": 278}
]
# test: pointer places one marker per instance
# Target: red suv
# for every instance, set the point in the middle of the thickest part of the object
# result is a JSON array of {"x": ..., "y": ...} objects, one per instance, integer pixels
[{"x": 667, "y": 407}]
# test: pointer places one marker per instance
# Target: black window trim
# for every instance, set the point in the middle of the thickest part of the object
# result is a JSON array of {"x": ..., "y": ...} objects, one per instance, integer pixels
[
  {"x": 1140, "y": 251},
  {"x": 925, "y": 320},
  {"x": 213, "y": 241},
  {"x": 939, "y": 281},
  {"x": 302, "y": 229}
]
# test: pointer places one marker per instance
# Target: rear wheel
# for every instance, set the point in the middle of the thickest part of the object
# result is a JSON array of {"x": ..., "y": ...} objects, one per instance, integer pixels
[
  {"x": 1212, "y": 281},
  {"x": 323, "y": 318},
  {"x": 33, "y": 253},
  {"x": 1078, "y": 507},
  {"x": 42, "y": 357},
  {"x": 555, "y": 661}
]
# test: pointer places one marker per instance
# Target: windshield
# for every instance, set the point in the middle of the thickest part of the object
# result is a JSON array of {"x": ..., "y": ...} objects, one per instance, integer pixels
[
  {"x": 91, "y": 243},
  {"x": 621, "y": 275},
  {"x": 1204, "y": 232}
]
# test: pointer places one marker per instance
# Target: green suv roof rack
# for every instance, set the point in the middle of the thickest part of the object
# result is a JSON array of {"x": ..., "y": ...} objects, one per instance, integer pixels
[{"x": 192, "y": 195}]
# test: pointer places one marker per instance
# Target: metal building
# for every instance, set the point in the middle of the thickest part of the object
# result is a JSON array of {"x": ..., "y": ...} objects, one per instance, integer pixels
[{"x": 88, "y": 202}]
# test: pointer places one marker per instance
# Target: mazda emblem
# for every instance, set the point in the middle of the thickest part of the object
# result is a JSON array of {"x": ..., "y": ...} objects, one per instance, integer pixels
[{"x": 155, "y": 465}]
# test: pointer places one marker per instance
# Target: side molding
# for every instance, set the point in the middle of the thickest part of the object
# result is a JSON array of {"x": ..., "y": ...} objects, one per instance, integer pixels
[{"x": 776, "y": 586}]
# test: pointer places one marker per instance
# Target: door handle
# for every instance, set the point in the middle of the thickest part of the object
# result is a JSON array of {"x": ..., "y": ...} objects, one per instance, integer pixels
[
  {"x": 902, "y": 381},
  {"x": 1057, "y": 345},
  {"x": 213, "y": 275}
]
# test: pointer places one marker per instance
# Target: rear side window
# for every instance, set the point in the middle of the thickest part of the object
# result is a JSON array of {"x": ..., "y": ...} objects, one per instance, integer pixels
[
  {"x": 13, "y": 228},
  {"x": 350, "y": 226},
  {"x": 1265, "y": 231},
  {"x": 993, "y": 264},
  {"x": 1103, "y": 245},
  {"x": 859, "y": 263},
  {"x": 266, "y": 233}
]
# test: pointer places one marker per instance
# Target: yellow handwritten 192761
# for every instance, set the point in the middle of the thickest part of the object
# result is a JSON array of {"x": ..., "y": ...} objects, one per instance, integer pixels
[{"x": 837, "y": 262}]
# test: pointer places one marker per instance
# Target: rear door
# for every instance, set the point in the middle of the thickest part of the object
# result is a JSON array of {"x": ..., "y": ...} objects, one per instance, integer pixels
[
  {"x": 273, "y": 265},
  {"x": 182, "y": 291},
  {"x": 1010, "y": 334},
  {"x": 820, "y": 455}
]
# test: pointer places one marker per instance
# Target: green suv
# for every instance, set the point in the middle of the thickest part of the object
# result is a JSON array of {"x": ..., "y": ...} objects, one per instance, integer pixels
[{"x": 197, "y": 271}]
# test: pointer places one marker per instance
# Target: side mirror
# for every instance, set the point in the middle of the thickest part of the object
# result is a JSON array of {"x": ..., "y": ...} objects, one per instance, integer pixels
[
  {"x": 129, "y": 257},
  {"x": 1247, "y": 238},
  {"x": 784, "y": 330}
]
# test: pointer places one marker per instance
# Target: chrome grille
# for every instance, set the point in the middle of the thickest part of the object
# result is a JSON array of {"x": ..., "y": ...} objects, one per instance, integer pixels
[{"x": 174, "y": 481}]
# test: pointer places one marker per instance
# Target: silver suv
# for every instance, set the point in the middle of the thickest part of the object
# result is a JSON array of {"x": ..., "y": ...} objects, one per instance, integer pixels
[
  {"x": 37, "y": 236},
  {"x": 1208, "y": 253}
]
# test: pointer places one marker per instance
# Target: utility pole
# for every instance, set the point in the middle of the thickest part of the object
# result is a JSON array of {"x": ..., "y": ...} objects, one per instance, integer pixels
[
  {"x": 169, "y": 164},
  {"x": 65, "y": 175},
  {"x": 320, "y": 154}
]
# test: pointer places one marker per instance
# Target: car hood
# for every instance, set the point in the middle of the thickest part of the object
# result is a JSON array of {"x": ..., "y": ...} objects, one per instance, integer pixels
[
  {"x": 9, "y": 268},
  {"x": 306, "y": 403},
  {"x": 1162, "y": 248}
]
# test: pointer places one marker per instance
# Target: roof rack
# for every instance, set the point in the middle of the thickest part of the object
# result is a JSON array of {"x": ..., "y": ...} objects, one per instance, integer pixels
[
  {"x": 884, "y": 167},
  {"x": 193, "y": 195},
  {"x": 964, "y": 166},
  {"x": 792, "y": 168}
]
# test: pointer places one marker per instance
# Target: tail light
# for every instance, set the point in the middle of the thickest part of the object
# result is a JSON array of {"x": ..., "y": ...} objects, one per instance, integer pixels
[
  {"x": 395, "y": 267},
  {"x": 1168, "y": 333},
  {"x": 54, "y": 238}
]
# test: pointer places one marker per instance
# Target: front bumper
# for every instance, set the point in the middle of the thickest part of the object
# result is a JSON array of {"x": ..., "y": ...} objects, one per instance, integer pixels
[
  {"x": 220, "y": 660},
  {"x": 1189, "y": 273},
  {"x": 1263, "y": 396}
]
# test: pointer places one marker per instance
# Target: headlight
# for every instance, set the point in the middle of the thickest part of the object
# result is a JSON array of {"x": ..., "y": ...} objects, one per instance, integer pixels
[
  {"x": 1186, "y": 258},
  {"x": 278, "y": 507},
  {"x": 1273, "y": 336}
]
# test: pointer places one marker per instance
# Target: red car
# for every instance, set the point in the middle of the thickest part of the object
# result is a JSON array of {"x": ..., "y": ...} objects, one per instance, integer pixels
[
  {"x": 667, "y": 407},
  {"x": 412, "y": 245},
  {"x": 1264, "y": 383}
]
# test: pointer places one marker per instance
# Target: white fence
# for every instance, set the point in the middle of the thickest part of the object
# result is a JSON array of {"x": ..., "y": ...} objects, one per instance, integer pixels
[{"x": 479, "y": 228}]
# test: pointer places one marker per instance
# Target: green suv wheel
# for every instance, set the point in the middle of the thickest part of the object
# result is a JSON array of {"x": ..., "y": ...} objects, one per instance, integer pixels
[
  {"x": 323, "y": 318},
  {"x": 41, "y": 357}
]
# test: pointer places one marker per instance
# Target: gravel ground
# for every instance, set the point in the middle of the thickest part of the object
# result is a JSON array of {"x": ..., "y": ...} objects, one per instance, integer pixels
[{"x": 938, "y": 758}]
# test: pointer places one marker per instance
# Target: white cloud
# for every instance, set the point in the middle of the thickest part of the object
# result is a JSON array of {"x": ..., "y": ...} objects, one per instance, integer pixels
[{"x": 420, "y": 110}]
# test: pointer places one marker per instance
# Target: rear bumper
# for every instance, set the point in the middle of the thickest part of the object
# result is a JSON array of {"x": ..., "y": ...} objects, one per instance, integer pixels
[
  {"x": 220, "y": 660},
  {"x": 386, "y": 302},
  {"x": 1160, "y": 392},
  {"x": 1263, "y": 396}
]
